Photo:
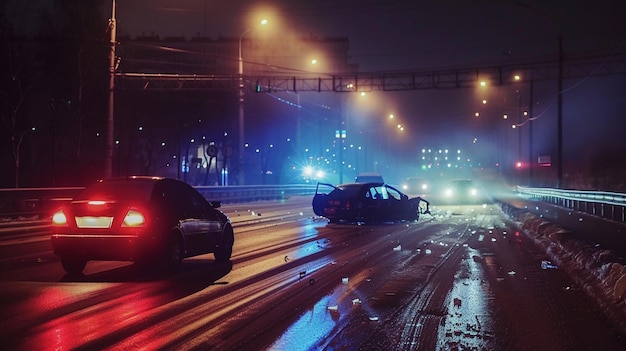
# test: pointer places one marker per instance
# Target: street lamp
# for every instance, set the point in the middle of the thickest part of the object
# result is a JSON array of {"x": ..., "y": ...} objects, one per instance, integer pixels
[{"x": 241, "y": 123}]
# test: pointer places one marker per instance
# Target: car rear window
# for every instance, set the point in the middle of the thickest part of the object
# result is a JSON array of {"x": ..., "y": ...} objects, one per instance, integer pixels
[{"x": 121, "y": 190}]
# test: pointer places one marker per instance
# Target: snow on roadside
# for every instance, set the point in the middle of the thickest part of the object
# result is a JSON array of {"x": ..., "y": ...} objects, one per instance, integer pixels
[{"x": 599, "y": 272}]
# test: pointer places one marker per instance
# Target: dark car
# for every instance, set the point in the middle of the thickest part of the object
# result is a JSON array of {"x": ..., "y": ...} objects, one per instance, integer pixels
[
  {"x": 141, "y": 219},
  {"x": 367, "y": 202}
]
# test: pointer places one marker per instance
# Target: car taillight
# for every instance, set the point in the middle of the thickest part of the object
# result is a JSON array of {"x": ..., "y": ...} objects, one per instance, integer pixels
[
  {"x": 59, "y": 218},
  {"x": 347, "y": 204},
  {"x": 134, "y": 218}
]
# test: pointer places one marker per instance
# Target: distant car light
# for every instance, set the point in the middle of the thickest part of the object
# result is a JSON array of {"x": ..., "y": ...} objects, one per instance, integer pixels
[
  {"x": 134, "y": 218},
  {"x": 307, "y": 171}
]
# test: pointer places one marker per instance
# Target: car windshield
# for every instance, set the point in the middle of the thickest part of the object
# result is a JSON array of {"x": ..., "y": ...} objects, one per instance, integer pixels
[
  {"x": 462, "y": 184},
  {"x": 123, "y": 190}
]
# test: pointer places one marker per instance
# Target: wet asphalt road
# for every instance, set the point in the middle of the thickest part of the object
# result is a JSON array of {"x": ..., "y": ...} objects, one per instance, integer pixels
[{"x": 465, "y": 278}]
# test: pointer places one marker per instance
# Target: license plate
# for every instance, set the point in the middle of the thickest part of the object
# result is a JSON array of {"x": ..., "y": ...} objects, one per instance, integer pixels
[{"x": 94, "y": 222}]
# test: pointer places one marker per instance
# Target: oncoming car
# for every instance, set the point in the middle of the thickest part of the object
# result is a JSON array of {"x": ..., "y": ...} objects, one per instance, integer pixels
[
  {"x": 142, "y": 219},
  {"x": 463, "y": 191},
  {"x": 414, "y": 185},
  {"x": 367, "y": 202}
]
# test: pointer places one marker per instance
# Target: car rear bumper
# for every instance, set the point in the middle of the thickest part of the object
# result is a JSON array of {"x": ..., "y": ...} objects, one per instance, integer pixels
[
  {"x": 102, "y": 247},
  {"x": 334, "y": 213}
]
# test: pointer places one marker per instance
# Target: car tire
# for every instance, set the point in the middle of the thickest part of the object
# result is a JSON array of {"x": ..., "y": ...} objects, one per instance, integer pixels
[
  {"x": 73, "y": 265},
  {"x": 224, "y": 250},
  {"x": 174, "y": 253}
]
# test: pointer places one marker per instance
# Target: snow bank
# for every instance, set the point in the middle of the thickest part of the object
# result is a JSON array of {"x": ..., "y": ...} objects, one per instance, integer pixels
[{"x": 599, "y": 272}]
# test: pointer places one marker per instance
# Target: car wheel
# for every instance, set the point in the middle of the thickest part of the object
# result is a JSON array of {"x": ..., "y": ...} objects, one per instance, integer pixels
[
  {"x": 174, "y": 253},
  {"x": 73, "y": 265},
  {"x": 224, "y": 250}
]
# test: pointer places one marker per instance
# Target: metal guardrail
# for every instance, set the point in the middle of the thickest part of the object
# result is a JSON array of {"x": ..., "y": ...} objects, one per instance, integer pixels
[
  {"x": 40, "y": 202},
  {"x": 607, "y": 205},
  {"x": 33, "y": 202}
]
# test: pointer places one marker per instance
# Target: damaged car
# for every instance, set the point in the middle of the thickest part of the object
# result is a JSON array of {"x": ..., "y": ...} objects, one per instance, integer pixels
[{"x": 367, "y": 203}]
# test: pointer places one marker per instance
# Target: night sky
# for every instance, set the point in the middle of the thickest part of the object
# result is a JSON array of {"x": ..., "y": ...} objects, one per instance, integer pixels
[
  {"x": 431, "y": 35},
  {"x": 390, "y": 35}
]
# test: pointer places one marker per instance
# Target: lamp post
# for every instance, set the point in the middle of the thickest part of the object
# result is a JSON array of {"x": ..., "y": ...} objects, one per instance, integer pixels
[
  {"x": 557, "y": 21},
  {"x": 240, "y": 144},
  {"x": 241, "y": 120}
]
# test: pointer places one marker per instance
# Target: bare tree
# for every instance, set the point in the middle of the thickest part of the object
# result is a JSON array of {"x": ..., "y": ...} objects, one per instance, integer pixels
[{"x": 12, "y": 95}]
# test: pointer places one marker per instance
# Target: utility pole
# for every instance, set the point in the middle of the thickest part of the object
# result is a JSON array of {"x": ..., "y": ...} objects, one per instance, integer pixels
[
  {"x": 531, "y": 161},
  {"x": 559, "y": 165},
  {"x": 108, "y": 153}
]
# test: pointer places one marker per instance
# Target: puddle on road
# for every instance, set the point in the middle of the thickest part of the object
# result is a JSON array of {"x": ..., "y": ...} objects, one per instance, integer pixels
[
  {"x": 468, "y": 325},
  {"x": 317, "y": 326},
  {"x": 313, "y": 326}
]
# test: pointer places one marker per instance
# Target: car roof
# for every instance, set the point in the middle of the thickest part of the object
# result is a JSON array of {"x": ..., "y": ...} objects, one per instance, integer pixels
[{"x": 368, "y": 184}]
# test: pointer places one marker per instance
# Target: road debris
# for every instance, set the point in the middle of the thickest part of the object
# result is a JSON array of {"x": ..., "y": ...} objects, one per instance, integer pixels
[{"x": 545, "y": 264}]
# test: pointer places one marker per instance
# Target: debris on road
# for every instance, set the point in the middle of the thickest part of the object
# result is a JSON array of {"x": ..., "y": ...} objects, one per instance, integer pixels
[{"x": 545, "y": 264}]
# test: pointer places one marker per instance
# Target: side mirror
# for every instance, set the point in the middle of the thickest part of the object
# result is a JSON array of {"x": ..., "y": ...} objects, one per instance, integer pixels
[{"x": 216, "y": 204}]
